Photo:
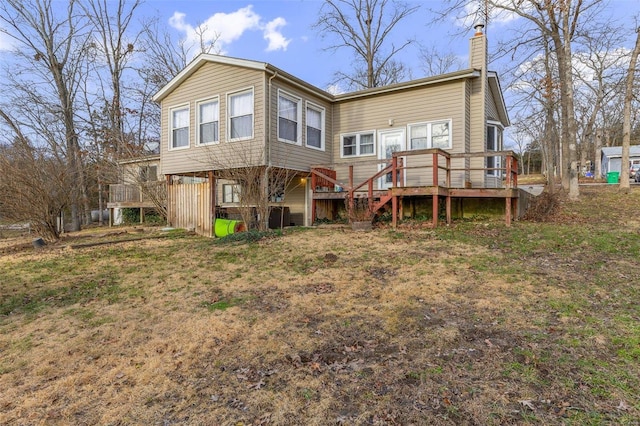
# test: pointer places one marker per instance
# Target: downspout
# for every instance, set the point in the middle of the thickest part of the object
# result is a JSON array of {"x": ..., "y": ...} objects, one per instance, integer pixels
[
  {"x": 268, "y": 148},
  {"x": 268, "y": 139}
]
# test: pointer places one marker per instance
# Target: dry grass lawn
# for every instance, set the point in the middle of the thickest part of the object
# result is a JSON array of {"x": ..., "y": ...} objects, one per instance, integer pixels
[{"x": 470, "y": 324}]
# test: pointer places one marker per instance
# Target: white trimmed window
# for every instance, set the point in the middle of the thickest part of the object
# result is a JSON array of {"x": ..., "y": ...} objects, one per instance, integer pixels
[
  {"x": 356, "y": 144},
  {"x": 179, "y": 124},
  {"x": 240, "y": 114},
  {"x": 436, "y": 134},
  {"x": 230, "y": 193},
  {"x": 494, "y": 143},
  {"x": 289, "y": 118},
  {"x": 315, "y": 127},
  {"x": 208, "y": 122}
]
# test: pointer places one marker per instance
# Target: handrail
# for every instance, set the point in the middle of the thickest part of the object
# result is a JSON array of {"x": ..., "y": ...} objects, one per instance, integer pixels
[
  {"x": 510, "y": 168},
  {"x": 125, "y": 193}
]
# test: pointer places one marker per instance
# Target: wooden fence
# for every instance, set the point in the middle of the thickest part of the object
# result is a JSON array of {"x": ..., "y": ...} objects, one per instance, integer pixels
[{"x": 189, "y": 207}]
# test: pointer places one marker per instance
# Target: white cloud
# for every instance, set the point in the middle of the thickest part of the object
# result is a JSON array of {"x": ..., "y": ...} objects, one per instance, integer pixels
[
  {"x": 276, "y": 40},
  {"x": 226, "y": 28},
  {"x": 335, "y": 89},
  {"x": 473, "y": 13}
]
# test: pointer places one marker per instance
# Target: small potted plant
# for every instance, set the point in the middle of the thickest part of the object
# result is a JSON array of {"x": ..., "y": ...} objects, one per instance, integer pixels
[{"x": 360, "y": 214}]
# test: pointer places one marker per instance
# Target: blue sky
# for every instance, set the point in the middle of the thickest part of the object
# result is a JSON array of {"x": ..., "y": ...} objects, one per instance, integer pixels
[{"x": 280, "y": 32}]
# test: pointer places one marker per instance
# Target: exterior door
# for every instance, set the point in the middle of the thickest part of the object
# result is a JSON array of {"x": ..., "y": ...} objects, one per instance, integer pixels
[{"x": 389, "y": 141}]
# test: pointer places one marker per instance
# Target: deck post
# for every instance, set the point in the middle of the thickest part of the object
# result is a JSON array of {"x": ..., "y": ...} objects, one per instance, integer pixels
[
  {"x": 350, "y": 186},
  {"x": 435, "y": 190},
  {"x": 448, "y": 200},
  {"x": 394, "y": 211},
  {"x": 212, "y": 198},
  {"x": 169, "y": 212}
]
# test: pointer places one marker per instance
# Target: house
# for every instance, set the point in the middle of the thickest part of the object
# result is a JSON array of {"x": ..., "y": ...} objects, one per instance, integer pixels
[
  {"x": 612, "y": 159},
  {"x": 400, "y": 146},
  {"x": 140, "y": 186}
]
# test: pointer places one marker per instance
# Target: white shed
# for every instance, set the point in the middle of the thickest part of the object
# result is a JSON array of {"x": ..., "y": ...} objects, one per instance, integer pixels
[{"x": 612, "y": 157}]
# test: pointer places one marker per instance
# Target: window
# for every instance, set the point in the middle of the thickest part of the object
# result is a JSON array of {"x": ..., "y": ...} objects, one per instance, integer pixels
[
  {"x": 208, "y": 122},
  {"x": 289, "y": 118},
  {"x": 148, "y": 173},
  {"x": 358, "y": 144},
  {"x": 436, "y": 134},
  {"x": 494, "y": 143},
  {"x": 179, "y": 137},
  {"x": 315, "y": 127},
  {"x": 231, "y": 193},
  {"x": 241, "y": 115}
]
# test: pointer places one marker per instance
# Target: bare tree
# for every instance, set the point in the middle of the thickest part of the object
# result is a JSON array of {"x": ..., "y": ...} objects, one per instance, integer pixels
[
  {"x": 560, "y": 23},
  {"x": 626, "y": 127},
  {"x": 115, "y": 49},
  {"x": 435, "y": 62},
  {"x": 52, "y": 45},
  {"x": 363, "y": 27},
  {"x": 35, "y": 187},
  {"x": 599, "y": 77},
  {"x": 112, "y": 49},
  {"x": 259, "y": 187}
]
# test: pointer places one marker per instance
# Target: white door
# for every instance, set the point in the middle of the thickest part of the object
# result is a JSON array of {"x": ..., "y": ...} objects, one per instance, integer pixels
[{"x": 390, "y": 141}]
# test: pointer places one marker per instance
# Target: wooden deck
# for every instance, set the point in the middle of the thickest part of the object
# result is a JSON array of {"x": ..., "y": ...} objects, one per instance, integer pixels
[
  {"x": 136, "y": 195},
  {"x": 146, "y": 195},
  {"x": 324, "y": 178}
]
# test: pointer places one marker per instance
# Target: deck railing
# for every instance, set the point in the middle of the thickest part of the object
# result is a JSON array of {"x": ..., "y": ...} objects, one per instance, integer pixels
[
  {"x": 399, "y": 168},
  {"x": 434, "y": 162},
  {"x": 147, "y": 192}
]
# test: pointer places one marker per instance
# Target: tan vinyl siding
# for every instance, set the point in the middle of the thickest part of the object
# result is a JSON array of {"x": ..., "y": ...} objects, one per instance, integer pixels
[
  {"x": 289, "y": 155},
  {"x": 492, "y": 110},
  {"x": 468, "y": 87},
  {"x": 417, "y": 105},
  {"x": 477, "y": 52},
  {"x": 295, "y": 196},
  {"x": 444, "y": 101},
  {"x": 478, "y": 131},
  {"x": 208, "y": 81}
]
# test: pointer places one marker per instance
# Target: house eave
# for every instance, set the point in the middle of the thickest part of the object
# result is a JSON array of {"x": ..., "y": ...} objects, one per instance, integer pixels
[
  {"x": 198, "y": 62},
  {"x": 427, "y": 81},
  {"x": 494, "y": 84},
  {"x": 144, "y": 159}
]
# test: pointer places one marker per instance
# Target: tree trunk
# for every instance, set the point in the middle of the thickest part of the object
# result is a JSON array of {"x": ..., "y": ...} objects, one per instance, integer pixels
[{"x": 626, "y": 123}]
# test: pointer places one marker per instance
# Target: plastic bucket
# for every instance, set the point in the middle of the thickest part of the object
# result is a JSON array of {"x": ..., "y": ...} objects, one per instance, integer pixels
[
  {"x": 613, "y": 177},
  {"x": 224, "y": 227}
]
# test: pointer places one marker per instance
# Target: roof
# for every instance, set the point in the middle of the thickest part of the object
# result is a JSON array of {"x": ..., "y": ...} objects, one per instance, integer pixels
[
  {"x": 494, "y": 85},
  {"x": 204, "y": 58},
  {"x": 142, "y": 159},
  {"x": 616, "y": 151}
]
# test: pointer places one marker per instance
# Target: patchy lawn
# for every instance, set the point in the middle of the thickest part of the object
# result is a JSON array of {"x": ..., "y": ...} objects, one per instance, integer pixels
[{"x": 474, "y": 323}]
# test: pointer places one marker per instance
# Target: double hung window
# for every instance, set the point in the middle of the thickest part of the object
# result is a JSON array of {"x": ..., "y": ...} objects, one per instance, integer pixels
[
  {"x": 494, "y": 143},
  {"x": 289, "y": 118},
  {"x": 208, "y": 122},
  {"x": 435, "y": 134},
  {"x": 240, "y": 109},
  {"x": 230, "y": 193},
  {"x": 315, "y": 127},
  {"x": 179, "y": 127},
  {"x": 358, "y": 144}
]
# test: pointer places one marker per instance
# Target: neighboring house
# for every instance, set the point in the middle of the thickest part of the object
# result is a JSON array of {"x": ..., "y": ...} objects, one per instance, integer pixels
[
  {"x": 612, "y": 159},
  {"x": 224, "y": 113},
  {"x": 140, "y": 185}
]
